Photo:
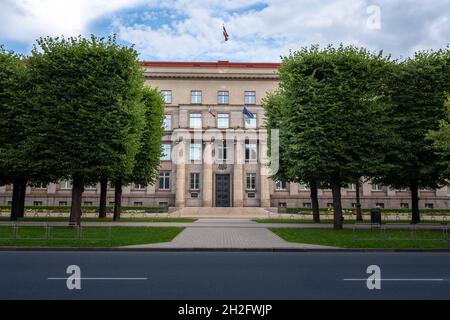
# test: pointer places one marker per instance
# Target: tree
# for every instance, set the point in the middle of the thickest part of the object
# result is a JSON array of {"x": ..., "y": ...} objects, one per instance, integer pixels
[
  {"x": 332, "y": 120},
  {"x": 89, "y": 110},
  {"x": 14, "y": 123},
  {"x": 147, "y": 161},
  {"x": 418, "y": 88}
]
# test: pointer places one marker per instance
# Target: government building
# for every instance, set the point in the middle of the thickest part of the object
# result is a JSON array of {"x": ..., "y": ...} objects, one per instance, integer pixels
[{"x": 214, "y": 155}]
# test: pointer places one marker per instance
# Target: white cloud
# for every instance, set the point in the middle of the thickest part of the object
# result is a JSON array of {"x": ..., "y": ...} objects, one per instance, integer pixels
[{"x": 26, "y": 20}]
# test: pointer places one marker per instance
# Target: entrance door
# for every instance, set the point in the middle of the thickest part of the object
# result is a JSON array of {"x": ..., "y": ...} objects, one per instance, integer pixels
[{"x": 223, "y": 199}]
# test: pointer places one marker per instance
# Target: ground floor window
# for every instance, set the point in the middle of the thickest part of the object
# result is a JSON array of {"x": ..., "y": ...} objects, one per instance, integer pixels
[
  {"x": 404, "y": 205},
  {"x": 429, "y": 205},
  {"x": 164, "y": 181},
  {"x": 195, "y": 181},
  {"x": 251, "y": 181},
  {"x": 280, "y": 186}
]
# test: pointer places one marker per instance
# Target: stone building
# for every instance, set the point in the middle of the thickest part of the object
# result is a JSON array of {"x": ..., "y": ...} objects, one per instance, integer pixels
[{"x": 214, "y": 155}]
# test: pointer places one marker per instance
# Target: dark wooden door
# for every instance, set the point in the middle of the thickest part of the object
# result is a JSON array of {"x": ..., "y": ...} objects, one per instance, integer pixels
[{"x": 223, "y": 197}]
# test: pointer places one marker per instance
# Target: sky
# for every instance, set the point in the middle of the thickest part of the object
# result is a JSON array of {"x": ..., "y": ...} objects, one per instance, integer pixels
[{"x": 260, "y": 31}]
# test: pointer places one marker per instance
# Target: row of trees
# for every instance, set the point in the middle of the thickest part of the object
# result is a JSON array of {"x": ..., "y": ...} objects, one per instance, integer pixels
[
  {"x": 346, "y": 113},
  {"x": 77, "y": 109}
]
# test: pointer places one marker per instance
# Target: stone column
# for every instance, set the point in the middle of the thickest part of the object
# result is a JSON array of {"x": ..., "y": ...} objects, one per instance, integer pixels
[
  {"x": 180, "y": 186},
  {"x": 208, "y": 176},
  {"x": 238, "y": 175}
]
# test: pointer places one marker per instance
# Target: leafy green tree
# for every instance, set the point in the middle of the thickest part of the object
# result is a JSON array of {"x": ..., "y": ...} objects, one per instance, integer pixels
[
  {"x": 333, "y": 124},
  {"x": 419, "y": 85},
  {"x": 15, "y": 120},
  {"x": 89, "y": 110},
  {"x": 147, "y": 161}
]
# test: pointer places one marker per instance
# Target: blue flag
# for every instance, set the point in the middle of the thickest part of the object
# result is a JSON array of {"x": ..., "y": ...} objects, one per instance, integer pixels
[{"x": 248, "y": 114}]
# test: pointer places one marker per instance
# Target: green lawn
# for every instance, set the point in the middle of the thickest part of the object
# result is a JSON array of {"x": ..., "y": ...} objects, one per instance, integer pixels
[
  {"x": 58, "y": 219},
  {"x": 98, "y": 237},
  {"x": 397, "y": 239},
  {"x": 327, "y": 221}
]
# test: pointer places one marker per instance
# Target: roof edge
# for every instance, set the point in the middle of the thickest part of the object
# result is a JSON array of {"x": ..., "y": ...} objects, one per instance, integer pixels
[{"x": 219, "y": 64}]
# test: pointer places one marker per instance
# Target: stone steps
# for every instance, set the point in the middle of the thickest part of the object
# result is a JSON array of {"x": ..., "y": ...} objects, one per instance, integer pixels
[{"x": 221, "y": 212}]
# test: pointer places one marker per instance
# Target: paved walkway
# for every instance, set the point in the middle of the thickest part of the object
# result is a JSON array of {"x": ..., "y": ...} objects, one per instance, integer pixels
[{"x": 229, "y": 234}]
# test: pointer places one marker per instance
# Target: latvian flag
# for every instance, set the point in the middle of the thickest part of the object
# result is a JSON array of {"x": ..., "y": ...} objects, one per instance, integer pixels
[{"x": 225, "y": 34}]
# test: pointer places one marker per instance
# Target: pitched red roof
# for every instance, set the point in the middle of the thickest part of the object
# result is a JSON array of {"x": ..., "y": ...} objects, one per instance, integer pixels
[{"x": 219, "y": 64}]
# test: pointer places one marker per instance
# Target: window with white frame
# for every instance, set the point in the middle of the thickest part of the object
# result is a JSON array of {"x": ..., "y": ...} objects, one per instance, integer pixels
[
  {"x": 166, "y": 152},
  {"x": 251, "y": 152},
  {"x": 195, "y": 152},
  {"x": 195, "y": 181},
  {"x": 164, "y": 181},
  {"x": 223, "y": 121},
  {"x": 138, "y": 186},
  {"x": 196, "y": 97},
  {"x": 250, "y": 97},
  {"x": 222, "y": 151},
  {"x": 167, "y": 125},
  {"x": 351, "y": 187},
  {"x": 377, "y": 187},
  {"x": 251, "y": 123},
  {"x": 223, "y": 97},
  {"x": 251, "y": 181},
  {"x": 280, "y": 185},
  {"x": 167, "y": 96},
  {"x": 66, "y": 184},
  {"x": 195, "y": 120}
]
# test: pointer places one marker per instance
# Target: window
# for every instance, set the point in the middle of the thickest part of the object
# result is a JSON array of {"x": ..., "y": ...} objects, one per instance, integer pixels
[
  {"x": 40, "y": 186},
  {"x": 167, "y": 125},
  {"x": 377, "y": 187},
  {"x": 167, "y": 96},
  {"x": 250, "y": 97},
  {"x": 251, "y": 152},
  {"x": 303, "y": 187},
  {"x": 380, "y": 205},
  {"x": 138, "y": 186},
  {"x": 66, "y": 184},
  {"x": 63, "y": 203},
  {"x": 196, "y": 97},
  {"x": 138, "y": 204},
  {"x": 195, "y": 120},
  {"x": 250, "y": 123},
  {"x": 222, "y": 151},
  {"x": 223, "y": 121},
  {"x": 163, "y": 205},
  {"x": 307, "y": 205},
  {"x": 429, "y": 206},
  {"x": 330, "y": 205},
  {"x": 223, "y": 97},
  {"x": 37, "y": 203},
  {"x": 91, "y": 187},
  {"x": 404, "y": 205},
  {"x": 351, "y": 187},
  {"x": 88, "y": 203},
  {"x": 167, "y": 152},
  {"x": 251, "y": 181},
  {"x": 164, "y": 180},
  {"x": 280, "y": 186},
  {"x": 195, "y": 181},
  {"x": 111, "y": 203},
  {"x": 195, "y": 152}
]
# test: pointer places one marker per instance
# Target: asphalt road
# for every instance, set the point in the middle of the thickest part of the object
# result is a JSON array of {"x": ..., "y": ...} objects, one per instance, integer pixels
[{"x": 226, "y": 275}]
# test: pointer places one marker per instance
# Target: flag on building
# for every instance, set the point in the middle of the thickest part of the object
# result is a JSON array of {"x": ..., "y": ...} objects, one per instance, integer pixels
[
  {"x": 248, "y": 114},
  {"x": 225, "y": 34},
  {"x": 211, "y": 112}
]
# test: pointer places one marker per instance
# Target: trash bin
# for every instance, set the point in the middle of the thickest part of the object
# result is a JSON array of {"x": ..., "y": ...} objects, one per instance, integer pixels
[{"x": 375, "y": 216}]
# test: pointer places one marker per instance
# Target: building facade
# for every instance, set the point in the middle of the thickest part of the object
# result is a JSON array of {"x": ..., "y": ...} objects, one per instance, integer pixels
[{"x": 214, "y": 155}]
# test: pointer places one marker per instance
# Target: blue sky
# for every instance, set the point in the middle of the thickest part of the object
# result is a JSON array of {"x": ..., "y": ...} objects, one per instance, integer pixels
[{"x": 191, "y": 30}]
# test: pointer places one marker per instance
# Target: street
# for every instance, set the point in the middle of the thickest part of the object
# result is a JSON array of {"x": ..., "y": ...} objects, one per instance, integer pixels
[{"x": 222, "y": 275}]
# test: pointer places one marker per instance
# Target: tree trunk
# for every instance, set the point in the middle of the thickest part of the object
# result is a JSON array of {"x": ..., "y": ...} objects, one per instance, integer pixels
[
  {"x": 15, "y": 201},
  {"x": 103, "y": 195},
  {"x": 359, "y": 213},
  {"x": 21, "y": 204},
  {"x": 415, "y": 202},
  {"x": 315, "y": 201},
  {"x": 118, "y": 199},
  {"x": 77, "y": 194},
  {"x": 337, "y": 205}
]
